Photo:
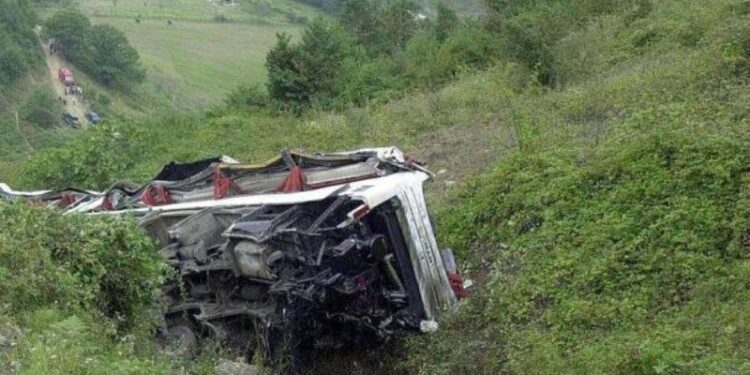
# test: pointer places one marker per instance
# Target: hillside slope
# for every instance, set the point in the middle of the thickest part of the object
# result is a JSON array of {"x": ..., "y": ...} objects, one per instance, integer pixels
[
  {"x": 607, "y": 230},
  {"x": 195, "y": 51},
  {"x": 615, "y": 240}
]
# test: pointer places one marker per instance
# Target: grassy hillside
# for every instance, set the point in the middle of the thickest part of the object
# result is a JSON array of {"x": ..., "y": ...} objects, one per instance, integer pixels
[
  {"x": 607, "y": 226},
  {"x": 20, "y": 138},
  {"x": 191, "y": 65},
  {"x": 206, "y": 51},
  {"x": 197, "y": 10},
  {"x": 614, "y": 240},
  {"x": 195, "y": 64}
]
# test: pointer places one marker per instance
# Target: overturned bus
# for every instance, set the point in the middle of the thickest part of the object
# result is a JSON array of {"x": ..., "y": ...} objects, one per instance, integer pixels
[{"x": 303, "y": 251}]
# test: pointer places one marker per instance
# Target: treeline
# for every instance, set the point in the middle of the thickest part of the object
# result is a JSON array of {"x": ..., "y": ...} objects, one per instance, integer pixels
[
  {"x": 529, "y": 30},
  {"x": 102, "y": 51},
  {"x": 372, "y": 52},
  {"x": 17, "y": 40}
]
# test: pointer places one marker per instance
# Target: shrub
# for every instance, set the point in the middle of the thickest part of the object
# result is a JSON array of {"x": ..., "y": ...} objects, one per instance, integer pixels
[
  {"x": 12, "y": 60},
  {"x": 363, "y": 82},
  {"x": 220, "y": 17},
  {"x": 610, "y": 255},
  {"x": 82, "y": 291},
  {"x": 246, "y": 97},
  {"x": 735, "y": 52},
  {"x": 17, "y": 39},
  {"x": 94, "y": 160},
  {"x": 421, "y": 60},
  {"x": 466, "y": 48},
  {"x": 70, "y": 28},
  {"x": 41, "y": 108},
  {"x": 306, "y": 73},
  {"x": 102, "y": 264}
]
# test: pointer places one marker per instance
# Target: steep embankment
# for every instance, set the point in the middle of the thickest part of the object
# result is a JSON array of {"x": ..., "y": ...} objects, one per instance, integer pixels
[
  {"x": 615, "y": 239},
  {"x": 610, "y": 233}
]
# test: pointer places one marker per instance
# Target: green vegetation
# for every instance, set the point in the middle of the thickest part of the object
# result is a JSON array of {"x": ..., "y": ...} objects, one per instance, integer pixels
[
  {"x": 41, "y": 108},
  {"x": 195, "y": 51},
  {"x": 371, "y": 53},
  {"x": 27, "y": 116},
  {"x": 101, "y": 50},
  {"x": 17, "y": 39},
  {"x": 615, "y": 239},
  {"x": 611, "y": 233},
  {"x": 77, "y": 298},
  {"x": 245, "y": 11},
  {"x": 193, "y": 65}
]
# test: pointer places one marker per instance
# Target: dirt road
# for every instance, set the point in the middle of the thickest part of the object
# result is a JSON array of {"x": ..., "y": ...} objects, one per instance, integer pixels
[{"x": 55, "y": 62}]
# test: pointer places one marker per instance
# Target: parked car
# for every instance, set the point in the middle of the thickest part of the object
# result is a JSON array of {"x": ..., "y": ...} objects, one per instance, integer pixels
[
  {"x": 93, "y": 118},
  {"x": 71, "y": 120}
]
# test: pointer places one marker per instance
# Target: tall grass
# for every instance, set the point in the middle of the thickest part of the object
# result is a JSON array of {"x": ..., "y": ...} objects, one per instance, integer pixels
[{"x": 612, "y": 241}]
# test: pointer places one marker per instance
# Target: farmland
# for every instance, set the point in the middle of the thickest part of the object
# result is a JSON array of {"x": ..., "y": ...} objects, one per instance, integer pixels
[
  {"x": 196, "y": 63},
  {"x": 195, "y": 51}
]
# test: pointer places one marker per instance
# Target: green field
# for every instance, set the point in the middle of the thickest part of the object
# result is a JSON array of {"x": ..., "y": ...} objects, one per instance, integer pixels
[
  {"x": 197, "y": 10},
  {"x": 196, "y": 63},
  {"x": 194, "y": 50}
]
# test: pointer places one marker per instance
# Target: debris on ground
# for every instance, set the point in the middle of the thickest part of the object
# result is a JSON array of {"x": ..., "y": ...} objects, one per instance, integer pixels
[{"x": 305, "y": 251}]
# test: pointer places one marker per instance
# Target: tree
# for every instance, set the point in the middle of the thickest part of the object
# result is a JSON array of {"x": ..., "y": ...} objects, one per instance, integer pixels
[
  {"x": 246, "y": 97},
  {"x": 421, "y": 54},
  {"x": 17, "y": 39},
  {"x": 286, "y": 82},
  {"x": 399, "y": 23},
  {"x": 114, "y": 61},
  {"x": 360, "y": 17},
  {"x": 71, "y": 28},
  {"x": 41, "y": 109},
  {"x": 447, "y": 21},
  {"x": 308, "y": 72},
  {"x": 324, "y": 47},
  {"x": 18, "y": 16},
  {"x": 101, "y": 50},
  {"x": 12, "y": 60}
]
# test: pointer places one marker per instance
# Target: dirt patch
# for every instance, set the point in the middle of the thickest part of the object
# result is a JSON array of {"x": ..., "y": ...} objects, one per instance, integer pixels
[{"x": 459, "y": 152}]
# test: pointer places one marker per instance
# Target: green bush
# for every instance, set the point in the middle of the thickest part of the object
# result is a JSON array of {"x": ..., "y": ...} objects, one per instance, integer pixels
[
  {"x": 12, "y": 60},
  {"x": 17, "y": 39},
  {"x": 82, "y": 293},
  {"x": 100, "y": 50},
  {"x": 77, "y": 263},
  {"x": 112, "y": 60},
  {"x": 466, "y": 48},
  {"x": 246, "y": 97},
  {"x": 421, "y": 60},
  {"x": 601, "y": 263},
  {"x": 371, "y": 82},
  {"x": 97, "y": 158},
  {"x": 41, "y": 108},
  {"x": 308, "y": 73}
]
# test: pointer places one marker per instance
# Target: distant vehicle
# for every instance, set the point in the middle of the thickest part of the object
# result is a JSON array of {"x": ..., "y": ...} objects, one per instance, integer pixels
[
  {"x": 93, "y": 118},
  {"x": 66, "y": 76},
  {"x": 71, "y": 120}
]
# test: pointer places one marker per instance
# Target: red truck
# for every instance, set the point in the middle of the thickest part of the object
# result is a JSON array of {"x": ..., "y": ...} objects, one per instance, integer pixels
[{"x": 66, "y": 76}]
